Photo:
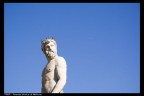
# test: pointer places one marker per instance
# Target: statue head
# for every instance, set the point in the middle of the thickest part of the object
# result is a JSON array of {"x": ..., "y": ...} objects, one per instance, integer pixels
[{"x": 49, "y": 47}]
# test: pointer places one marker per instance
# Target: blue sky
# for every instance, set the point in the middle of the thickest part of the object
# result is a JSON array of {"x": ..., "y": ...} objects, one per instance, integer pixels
[{"x": 100, "y": 42}]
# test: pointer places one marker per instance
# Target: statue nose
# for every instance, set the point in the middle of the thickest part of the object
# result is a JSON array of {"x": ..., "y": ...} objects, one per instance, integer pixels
[{"x": 50, "y": 49}]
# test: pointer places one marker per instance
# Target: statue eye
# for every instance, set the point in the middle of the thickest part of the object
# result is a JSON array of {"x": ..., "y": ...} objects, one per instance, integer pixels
[{"x": 47, "y": 48}]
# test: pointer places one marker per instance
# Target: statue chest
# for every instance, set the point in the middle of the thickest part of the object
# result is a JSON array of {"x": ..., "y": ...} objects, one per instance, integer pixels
[{"x": 50, "y": 67}]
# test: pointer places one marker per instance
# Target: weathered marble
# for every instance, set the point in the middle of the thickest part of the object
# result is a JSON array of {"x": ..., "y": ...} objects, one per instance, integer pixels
[{"x": 54, "y": 74}]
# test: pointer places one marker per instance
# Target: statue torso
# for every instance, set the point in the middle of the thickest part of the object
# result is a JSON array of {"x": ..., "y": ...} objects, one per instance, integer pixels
[{"x": 49, "y": 75}]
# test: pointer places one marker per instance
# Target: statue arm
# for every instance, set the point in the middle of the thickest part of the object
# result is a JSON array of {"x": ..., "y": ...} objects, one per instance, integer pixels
[
  {"x": 42, "y": 81},
  {"x": 61, "y": 69}
]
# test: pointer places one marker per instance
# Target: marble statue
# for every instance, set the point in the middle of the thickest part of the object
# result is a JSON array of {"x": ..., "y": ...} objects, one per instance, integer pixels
[{"x": 54, "y": 73}]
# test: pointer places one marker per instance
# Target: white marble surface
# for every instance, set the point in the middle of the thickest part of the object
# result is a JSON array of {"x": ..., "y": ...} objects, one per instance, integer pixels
[{"x": 55, "y": 71}]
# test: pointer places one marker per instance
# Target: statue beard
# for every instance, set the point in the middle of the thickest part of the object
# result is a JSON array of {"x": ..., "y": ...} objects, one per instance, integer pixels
[{"x": 50, "y": 54}]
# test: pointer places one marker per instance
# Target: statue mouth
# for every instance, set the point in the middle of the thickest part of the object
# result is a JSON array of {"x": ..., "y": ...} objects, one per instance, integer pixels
[
  {"x": 50, "y": 54},
  {"x": 51, "y": 51}
]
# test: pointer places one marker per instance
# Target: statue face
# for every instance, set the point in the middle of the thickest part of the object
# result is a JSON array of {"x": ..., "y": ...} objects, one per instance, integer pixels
[{"x": 50, "y": 49}]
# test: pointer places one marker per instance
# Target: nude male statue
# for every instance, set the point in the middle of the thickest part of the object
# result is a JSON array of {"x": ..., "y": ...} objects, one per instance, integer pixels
[{"x": 54, "y": 73}]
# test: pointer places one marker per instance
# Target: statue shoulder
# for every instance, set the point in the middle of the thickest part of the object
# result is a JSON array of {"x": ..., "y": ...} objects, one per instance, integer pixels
[
  {"x": 60, "y": 58},
  {"x": 61, "y": 61}
]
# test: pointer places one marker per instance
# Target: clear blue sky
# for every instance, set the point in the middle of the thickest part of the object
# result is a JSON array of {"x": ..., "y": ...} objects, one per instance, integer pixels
[{"x": 100, "y": 42}]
